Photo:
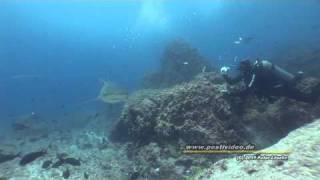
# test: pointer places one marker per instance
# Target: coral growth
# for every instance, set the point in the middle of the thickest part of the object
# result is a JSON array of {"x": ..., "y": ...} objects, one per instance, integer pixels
[
  {"x": 179, "y": 63},
  {"x": 303, "y": 161},
  {"x": 157, "y": 126}
]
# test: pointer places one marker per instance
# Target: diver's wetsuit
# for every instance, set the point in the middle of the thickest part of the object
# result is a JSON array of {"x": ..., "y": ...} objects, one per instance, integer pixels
[{"x": 266, "y": 80}]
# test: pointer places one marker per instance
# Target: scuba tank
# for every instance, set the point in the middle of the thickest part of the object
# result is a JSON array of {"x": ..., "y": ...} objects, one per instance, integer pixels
[{"x": 276, "y": 70}]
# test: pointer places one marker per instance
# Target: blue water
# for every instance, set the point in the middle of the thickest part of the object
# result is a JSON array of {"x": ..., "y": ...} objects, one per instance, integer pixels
[{"x": 52, "y": 53}]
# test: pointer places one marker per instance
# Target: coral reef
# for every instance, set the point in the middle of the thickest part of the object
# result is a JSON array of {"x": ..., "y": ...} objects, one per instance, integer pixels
[
  {"x": 179, "y": 63},
  {"x": 71, "y": 152},
  {"x": 157, "y": 126},
  {"x": 302, "y": 163},
  {"x": 148, "y": 140},
  {"x": 181, "y": 112}
]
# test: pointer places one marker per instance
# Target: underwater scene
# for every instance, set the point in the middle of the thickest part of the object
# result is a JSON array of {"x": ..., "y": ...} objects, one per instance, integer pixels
[{"x": 159, "y": 89}]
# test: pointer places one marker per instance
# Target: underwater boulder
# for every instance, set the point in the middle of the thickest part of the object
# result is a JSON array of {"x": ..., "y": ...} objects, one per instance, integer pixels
[
  {"x": 184, "y": 112},
  {"x": 303, "y": 160},
  {"x": 194, "y": 112},
  {"x": 203, "y": 111},
  {"x": 310, "y": 87},
  {"x": 179, "y": 63},
  {"x": 265, "y": 123}
]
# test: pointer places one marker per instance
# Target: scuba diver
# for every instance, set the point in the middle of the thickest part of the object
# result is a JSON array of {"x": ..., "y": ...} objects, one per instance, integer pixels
[{"x": 267, "y": 80}]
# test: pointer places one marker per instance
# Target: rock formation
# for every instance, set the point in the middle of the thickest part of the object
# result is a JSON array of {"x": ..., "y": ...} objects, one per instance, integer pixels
[
  {"x": 302, "y": 163},
  {"x": 179, "y": 63},
  {"x": 157, "y": 125}
]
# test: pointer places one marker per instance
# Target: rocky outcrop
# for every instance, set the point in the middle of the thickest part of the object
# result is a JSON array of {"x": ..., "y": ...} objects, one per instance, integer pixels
[
  {"x": 303, "y": 161},
  {"x": 183, "y": 112},
  {"x": 179, "y": 63},
  {"x": 157, "y": 125}
]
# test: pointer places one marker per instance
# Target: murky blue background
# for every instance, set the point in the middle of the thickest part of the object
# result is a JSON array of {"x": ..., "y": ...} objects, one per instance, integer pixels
[{"x": 52, "y": 53}]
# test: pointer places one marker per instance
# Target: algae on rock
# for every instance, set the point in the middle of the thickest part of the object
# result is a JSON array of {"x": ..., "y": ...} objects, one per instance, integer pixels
[
  {"x": 202, "y": 111},
  {"x": 303, "y": 161}
]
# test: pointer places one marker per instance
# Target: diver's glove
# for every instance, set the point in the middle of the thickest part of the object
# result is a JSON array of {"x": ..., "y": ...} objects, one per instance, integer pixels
[{"x": 224, "y": 70}]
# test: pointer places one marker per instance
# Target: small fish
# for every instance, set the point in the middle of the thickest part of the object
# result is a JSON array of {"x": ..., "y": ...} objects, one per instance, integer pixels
[
  {"x": 248, "y": 40},
  {"x": 72, "y": 161},
  {"x": 19, "y": 127},
  {"x": 62, "y": 160},
  {"x": 235, "y": 59},
  {"x": 96, "y": 115},
  {"x": 57, "y": 164},
  {"x": 66, "y": 174},
  {"x": 237, "y": 42},
  {"x": 28, "y": 158},
  {"x": 245, "y": 40},
  {"x": 185, "y": 63},
  {"x": 134, "y": 175},
  {"x": 157, "y": 170},
  {"x": 85, "y": 175},
  {"x": 7, "y": 157},
  {"x": 46, "y": 164},
  {"x": 204, "y": 69}
]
